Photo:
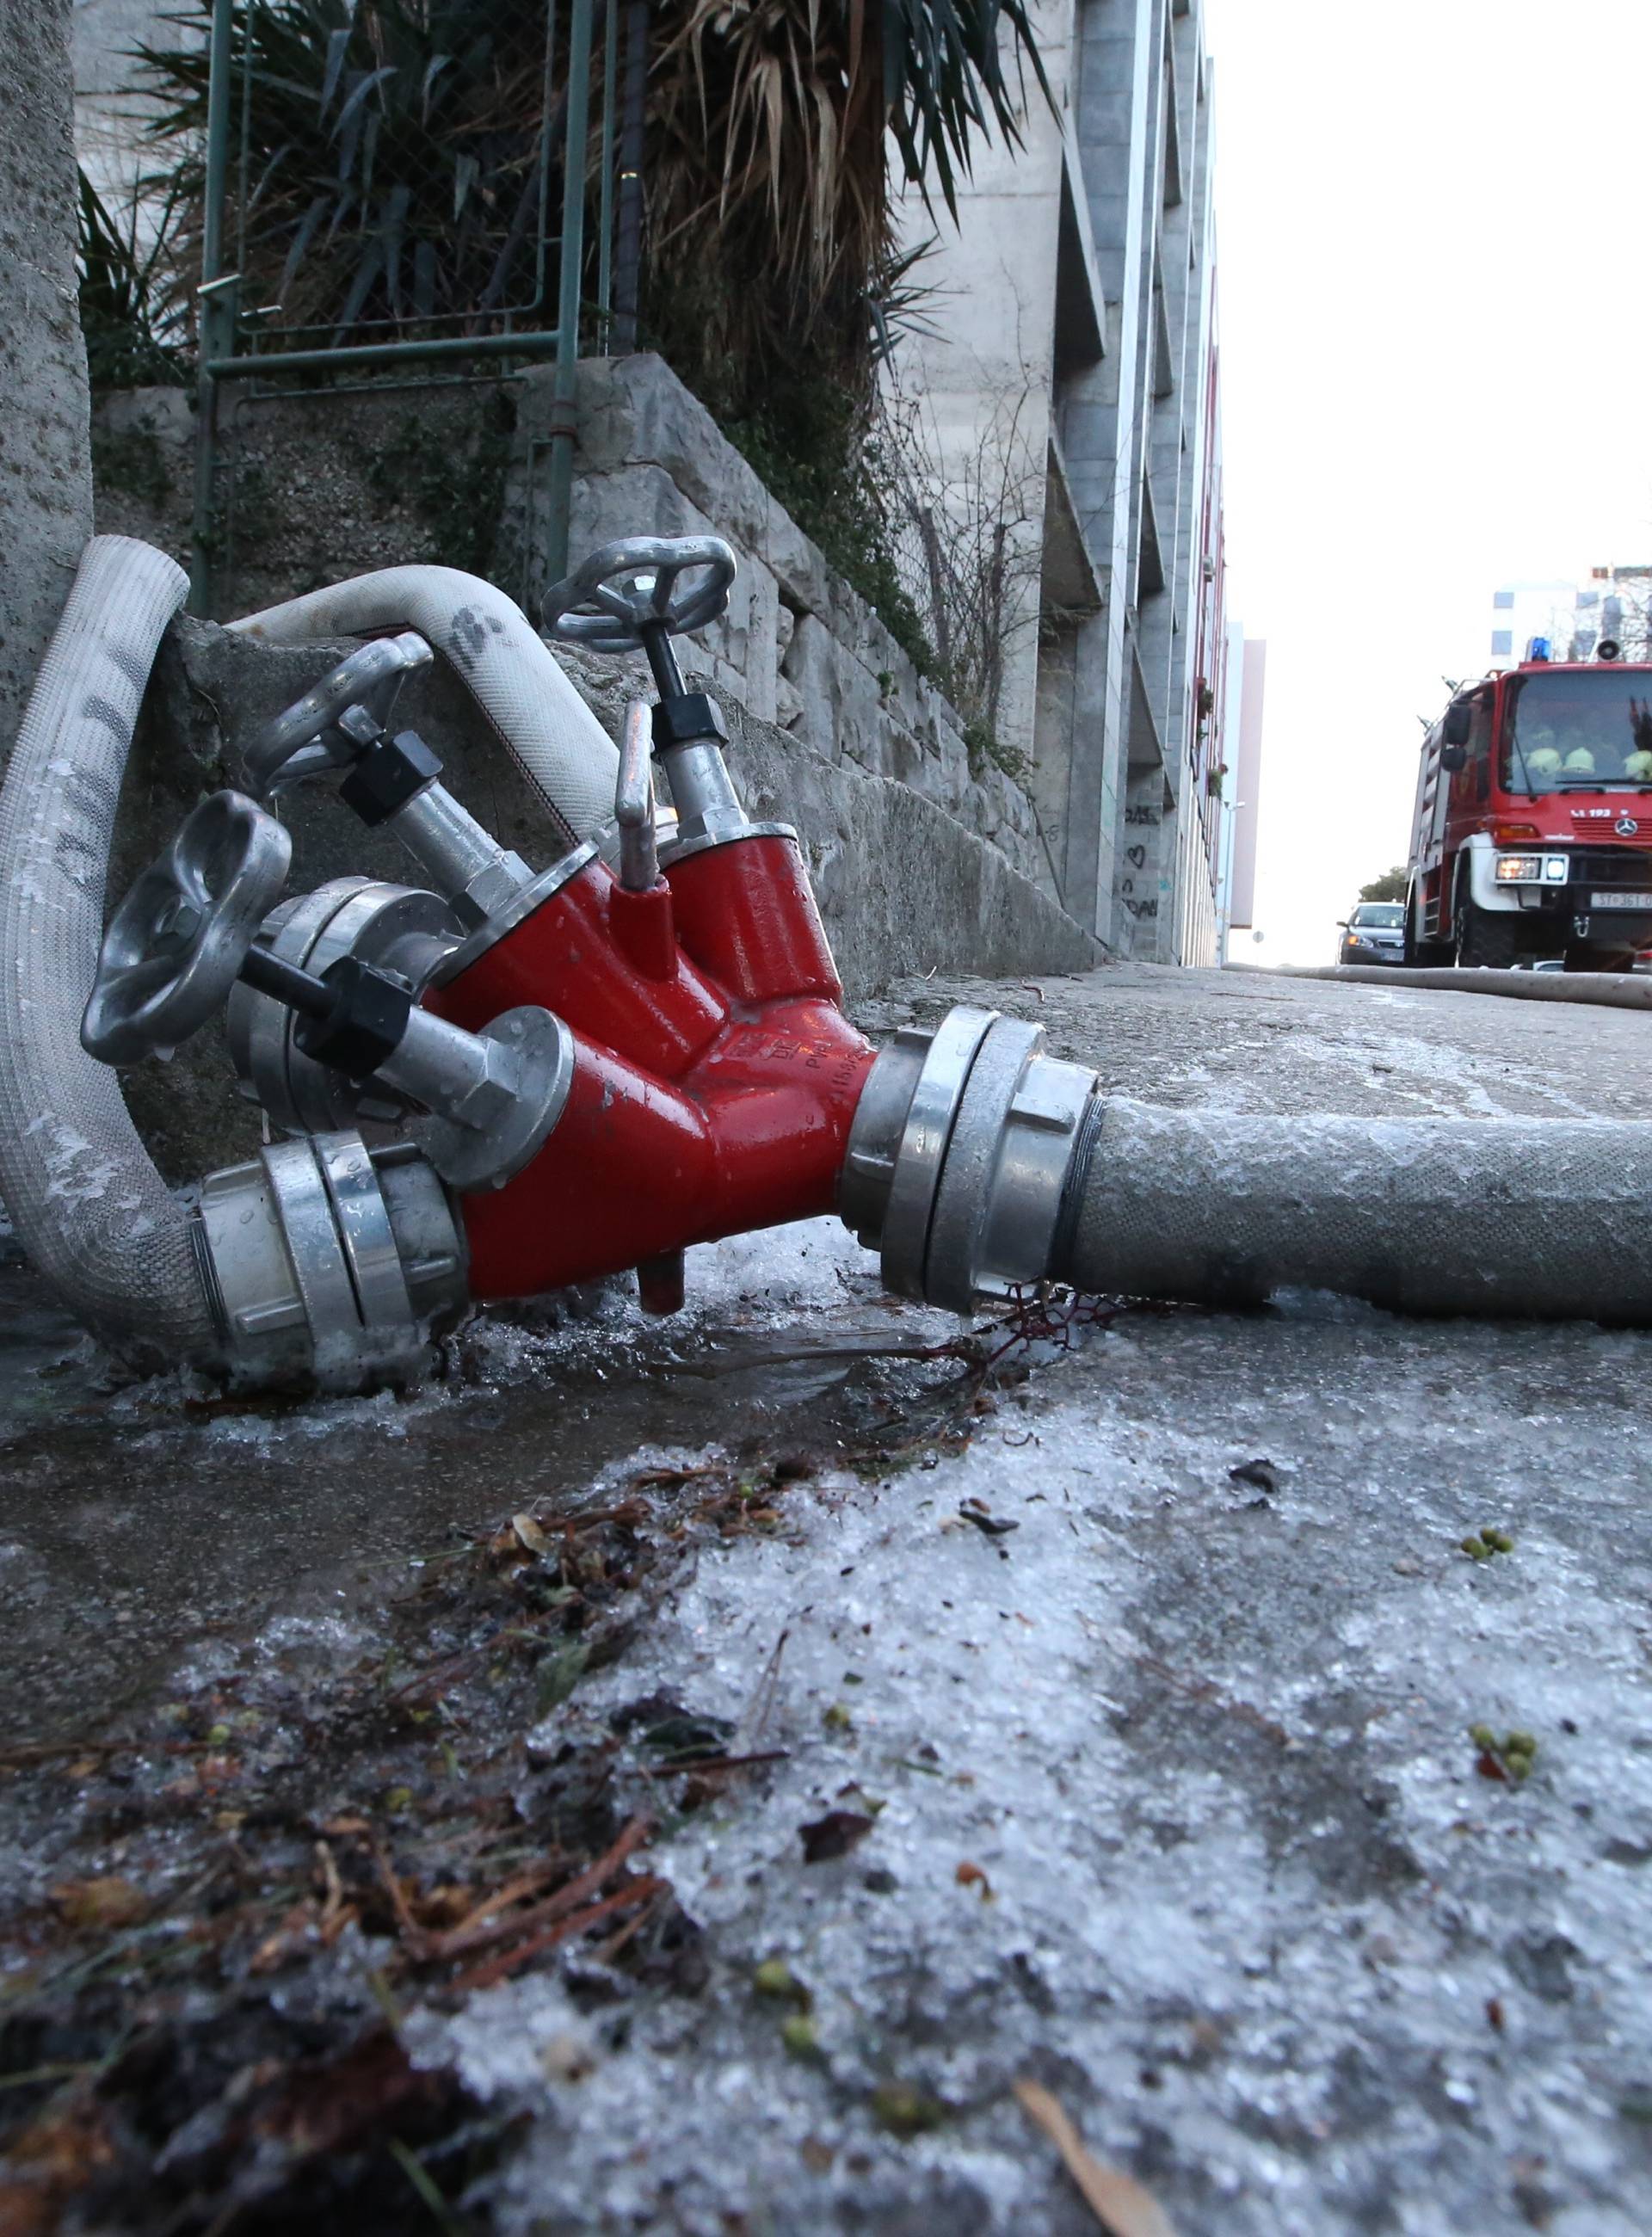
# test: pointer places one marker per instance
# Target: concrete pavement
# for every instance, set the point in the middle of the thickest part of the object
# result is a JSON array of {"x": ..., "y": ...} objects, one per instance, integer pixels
[{"x": 1164, "y": 1795}]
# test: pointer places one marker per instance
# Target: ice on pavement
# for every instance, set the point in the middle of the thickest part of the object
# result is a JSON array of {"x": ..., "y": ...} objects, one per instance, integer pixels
[{"x": 1174, "y": 1808}]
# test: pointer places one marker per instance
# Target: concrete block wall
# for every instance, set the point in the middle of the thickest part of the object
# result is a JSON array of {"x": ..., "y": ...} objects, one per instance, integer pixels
[{"x": 797, "y": 649}]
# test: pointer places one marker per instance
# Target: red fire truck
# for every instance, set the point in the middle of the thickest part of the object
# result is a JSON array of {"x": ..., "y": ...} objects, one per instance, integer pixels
[{"x": 1533, "y": 832}]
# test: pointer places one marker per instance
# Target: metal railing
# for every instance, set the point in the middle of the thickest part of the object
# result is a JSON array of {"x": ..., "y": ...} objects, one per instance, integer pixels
[{"x": 401, "y": 215}]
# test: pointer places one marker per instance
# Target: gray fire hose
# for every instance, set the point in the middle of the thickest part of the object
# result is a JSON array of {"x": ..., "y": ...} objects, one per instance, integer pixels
[
  {"x": 1606, "y": 990},
  {"x": 84, "y": 1197},
  {"x": 979, "y": 1165}
]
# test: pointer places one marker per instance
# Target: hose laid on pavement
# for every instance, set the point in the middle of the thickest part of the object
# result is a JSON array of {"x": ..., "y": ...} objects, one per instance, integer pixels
[
  {"x": 1534, "y": 1218},
  {"x": 552, "y": 737},
  {"x": 1611, "y": 990},
  {"x": 979, "y": 1166},
  {"x": 88, "y": 1205}
]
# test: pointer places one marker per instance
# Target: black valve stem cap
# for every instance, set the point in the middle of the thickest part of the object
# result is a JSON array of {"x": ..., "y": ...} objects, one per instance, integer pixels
[{"x": 364, "y": 1025}]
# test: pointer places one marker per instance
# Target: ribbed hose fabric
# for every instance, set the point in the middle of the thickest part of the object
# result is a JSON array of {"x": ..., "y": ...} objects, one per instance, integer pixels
[
  {"x": 1537, "y": 1219},
  {"x": 553, "y": 737},
  {"x": 88, "y": 1205}
]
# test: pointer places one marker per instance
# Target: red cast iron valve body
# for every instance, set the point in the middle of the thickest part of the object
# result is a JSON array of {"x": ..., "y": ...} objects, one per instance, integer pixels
[{"x": 716, "y": 1076}]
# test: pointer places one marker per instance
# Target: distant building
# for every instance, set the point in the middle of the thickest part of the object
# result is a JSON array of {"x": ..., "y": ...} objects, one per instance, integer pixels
[
  {"x": 1574, "y": 618},
  {"x": 110, "y": 118},
  {"x": 1073, "y": 358},
  {"x": 1241, "y": 793}
]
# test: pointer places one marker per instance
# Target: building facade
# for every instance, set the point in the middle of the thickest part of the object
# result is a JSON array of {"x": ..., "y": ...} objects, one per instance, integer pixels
[
  {"x": 1071, "y": 358},
  {"x": 1242, "y": 791},
  {"x": 1615, "y": 604}
]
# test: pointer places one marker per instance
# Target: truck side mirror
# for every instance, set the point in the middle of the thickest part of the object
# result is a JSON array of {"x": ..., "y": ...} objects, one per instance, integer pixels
[
  {"x": 1452, "y": 758},
  {"x": 1458, "y": 725}
]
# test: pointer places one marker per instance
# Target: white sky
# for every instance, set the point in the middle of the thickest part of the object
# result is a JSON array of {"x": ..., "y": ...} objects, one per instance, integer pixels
[{"x": 1435, "y": 243}]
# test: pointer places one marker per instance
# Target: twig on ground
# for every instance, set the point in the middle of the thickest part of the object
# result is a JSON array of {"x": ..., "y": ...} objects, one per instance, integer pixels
[
  {"x": 759, "y": 1709},
  {"x": 494, "y": 1969}
]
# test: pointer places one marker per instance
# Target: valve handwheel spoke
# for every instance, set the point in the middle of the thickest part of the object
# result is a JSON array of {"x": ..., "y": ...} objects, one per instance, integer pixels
[
  {"x": 306, "y": 739},
  {"x": 175, "y": 946},
  {"x": 633, "y": 587}
]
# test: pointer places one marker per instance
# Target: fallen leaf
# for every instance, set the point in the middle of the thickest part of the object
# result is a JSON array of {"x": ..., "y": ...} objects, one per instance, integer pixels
[
  {"x": 834, "y": 1835},
  {"x": 107, "y": 1903},
  {"x": 27, "y": 2210},
  {"x": 1260, "y": 1474},
  {"x": 1117, "y": 2200},
  {"x": 991, "y": 1526},
  {"x": 530, "y": 1536},
  {"x": 559, "y": 1676},
  {"x": 972, "y": 1876}
]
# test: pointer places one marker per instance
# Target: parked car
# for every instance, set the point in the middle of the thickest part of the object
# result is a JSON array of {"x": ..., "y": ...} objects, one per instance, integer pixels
[{"x": 1375, "y": 933}]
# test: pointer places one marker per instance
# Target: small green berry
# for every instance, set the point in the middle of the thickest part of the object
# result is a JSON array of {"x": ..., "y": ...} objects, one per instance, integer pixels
[
  {"x": 217, "y": 1736},
  {"x": 397, "y": 1797},
  {"x": 1520, "y": 1743},
  {"x": 1516, "y": 1764},
  {"x": 836, "y": 1719},
  {"x": 1483, "y": 1737},
  {"x": 1499, "y": 1541},
  {"x": 797, "y": 2033},
  {"x": 774, "y": 1978},
  {"x": 1475, "y": 1550}
]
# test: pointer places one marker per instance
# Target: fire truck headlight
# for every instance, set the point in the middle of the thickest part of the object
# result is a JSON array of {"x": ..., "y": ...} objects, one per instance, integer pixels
[
  {"x": 1520, "y": 869},
  {"x": 1554, "y": 869}
]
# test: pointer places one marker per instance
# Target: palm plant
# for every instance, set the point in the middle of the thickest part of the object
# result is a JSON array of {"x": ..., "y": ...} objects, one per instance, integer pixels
[
  {"x": 772, "y": 235},
  {"x": 391, "y": 170},
  {"x": 134, "y": 332}
]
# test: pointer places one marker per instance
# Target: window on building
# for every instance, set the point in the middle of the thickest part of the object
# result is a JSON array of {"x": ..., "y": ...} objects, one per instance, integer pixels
[
  {"x": 1501, "y": 642},
  {"x": 1502, "y": 600}
]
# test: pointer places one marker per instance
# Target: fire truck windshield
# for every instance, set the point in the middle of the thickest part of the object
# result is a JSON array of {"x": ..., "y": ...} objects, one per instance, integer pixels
[{"x": 1578, "y": 732}]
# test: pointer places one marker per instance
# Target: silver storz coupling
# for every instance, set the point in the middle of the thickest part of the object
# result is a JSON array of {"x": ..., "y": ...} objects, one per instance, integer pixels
[
  {"x": 961, "y": 1158},
  {"x": 328, "y": 1262}
]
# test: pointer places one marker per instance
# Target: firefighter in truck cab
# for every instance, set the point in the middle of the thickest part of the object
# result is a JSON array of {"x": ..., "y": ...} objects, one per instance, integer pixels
[{"x": 1532, "y": 838}]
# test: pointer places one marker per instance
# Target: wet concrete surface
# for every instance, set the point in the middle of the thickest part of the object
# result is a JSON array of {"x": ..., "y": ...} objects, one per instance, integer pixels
[
  {"x": 136, "y": 1519},
  {"x": 1256, "y": 1912}
]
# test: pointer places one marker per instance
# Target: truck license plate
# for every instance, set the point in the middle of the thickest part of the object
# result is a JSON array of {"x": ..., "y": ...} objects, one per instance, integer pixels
[{"x": 1621, "y": 901}]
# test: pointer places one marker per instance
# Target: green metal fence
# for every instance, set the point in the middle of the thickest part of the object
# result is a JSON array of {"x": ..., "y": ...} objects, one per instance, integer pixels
[{"x": 396, "y": 196}]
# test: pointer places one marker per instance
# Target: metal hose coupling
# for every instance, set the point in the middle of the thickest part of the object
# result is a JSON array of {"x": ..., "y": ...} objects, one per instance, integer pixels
[
  {"x": 962, "y": 1157},
  {"x": 329, "y": 1264}
]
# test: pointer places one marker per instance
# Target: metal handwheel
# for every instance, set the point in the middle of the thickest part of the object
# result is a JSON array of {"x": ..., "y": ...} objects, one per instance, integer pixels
[
  {"x": 628, "y": 590},
  {"x": 176, "y": 944},
  {"x": 312, "y": 738}
]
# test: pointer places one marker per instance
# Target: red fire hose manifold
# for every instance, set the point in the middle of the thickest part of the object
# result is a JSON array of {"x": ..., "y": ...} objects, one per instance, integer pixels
[{"x": 566, "y": 1075}]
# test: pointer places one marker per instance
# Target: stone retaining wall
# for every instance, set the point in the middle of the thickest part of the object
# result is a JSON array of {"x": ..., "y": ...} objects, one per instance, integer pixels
[
  {"x": 798, "y": 648},
  {"x": 327, "y": 486}
]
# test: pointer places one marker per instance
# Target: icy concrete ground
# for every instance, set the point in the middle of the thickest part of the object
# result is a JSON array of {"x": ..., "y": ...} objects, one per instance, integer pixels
[
  {"x": 1170, "y": 1794},
  {"x": 1173, "y": 1807}
]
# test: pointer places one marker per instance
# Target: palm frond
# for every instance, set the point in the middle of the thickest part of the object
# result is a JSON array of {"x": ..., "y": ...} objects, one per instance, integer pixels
[
  {"x": 390, "y": 143},
  {"x": 770, "y": 122},
  {"x": 135, "y": 336}
]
